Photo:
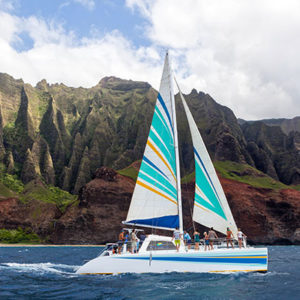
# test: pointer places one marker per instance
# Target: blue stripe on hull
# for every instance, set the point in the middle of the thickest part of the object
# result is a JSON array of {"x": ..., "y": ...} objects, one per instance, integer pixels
[
  {"x": 261, "y": 261},
  {"x": 167, "y": 222}
]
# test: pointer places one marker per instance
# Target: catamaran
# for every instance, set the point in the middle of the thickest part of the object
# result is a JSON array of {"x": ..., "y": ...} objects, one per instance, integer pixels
[{"x": 156, "y": 203}]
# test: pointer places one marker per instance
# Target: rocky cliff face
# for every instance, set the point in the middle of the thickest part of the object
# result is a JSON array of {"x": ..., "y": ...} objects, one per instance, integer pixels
[
  {"x": 71, "y": 132},
  {"x": 103, "y": 205},
  {"x": 274, "y": 152},
  {"x": 265, "y": 215}
]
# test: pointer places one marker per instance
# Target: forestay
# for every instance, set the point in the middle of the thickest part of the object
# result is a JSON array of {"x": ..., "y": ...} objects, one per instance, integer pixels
[
  {"x": 154, "y": 200},
  {"x": 210, "y": 206}
]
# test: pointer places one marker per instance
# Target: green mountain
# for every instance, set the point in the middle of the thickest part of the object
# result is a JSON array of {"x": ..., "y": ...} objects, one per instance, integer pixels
[{"x": 61, "y": 135}]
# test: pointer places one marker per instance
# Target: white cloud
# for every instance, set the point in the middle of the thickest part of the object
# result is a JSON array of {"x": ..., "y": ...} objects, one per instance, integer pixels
[
  {"x": 59, "y": 56},
  {"x": 89, "y": 4},
  {"x": 244, "y": 53}
]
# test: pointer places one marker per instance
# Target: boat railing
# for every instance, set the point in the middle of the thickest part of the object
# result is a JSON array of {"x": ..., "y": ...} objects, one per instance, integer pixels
[
  {"x": 113, "y": 248},
  {"x": 218, "y": 242}
]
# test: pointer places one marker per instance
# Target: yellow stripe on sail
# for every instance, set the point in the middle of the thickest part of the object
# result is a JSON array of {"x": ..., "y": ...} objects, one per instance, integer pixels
[
  {"x": 160, "y": 156},
  {"x": 154, "y": 191}
]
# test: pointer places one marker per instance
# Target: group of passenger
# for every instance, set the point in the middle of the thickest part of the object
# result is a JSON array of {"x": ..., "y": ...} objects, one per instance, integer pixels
[
  {"x": 131, "y": 240},
  {"x": 208, "y": 238}
]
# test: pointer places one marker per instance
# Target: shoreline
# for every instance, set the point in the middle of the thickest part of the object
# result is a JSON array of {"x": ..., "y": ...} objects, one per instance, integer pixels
[{"x": 47, "y": 245}]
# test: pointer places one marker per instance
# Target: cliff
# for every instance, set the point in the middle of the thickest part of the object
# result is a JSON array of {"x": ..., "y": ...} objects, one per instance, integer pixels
[
  {"x": 70, "y": 132},
  {"x": 268, "y": 216},
  {"x": 55, "y": 137}
]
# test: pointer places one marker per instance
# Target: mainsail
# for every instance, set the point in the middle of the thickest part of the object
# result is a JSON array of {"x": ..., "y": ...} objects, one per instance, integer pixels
[
  {"x": 210, "y": 206},
  {"x": 155, "y": 198}
]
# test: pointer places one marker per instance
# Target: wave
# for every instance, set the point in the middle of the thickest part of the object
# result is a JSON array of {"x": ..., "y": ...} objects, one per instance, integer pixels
[
  {"x": 271, "y": 273},
  {"x": 41, "y": 267}
]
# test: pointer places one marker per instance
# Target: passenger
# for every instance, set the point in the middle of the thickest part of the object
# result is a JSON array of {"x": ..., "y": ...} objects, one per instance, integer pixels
[
  {"x": 196, "y": 239},
  {"x": 114, "y": 249},
  {"x": 187, "y": 239},
  {"x": 121, "y": 241},
  {"x": 229, "y": 237},
  {"x": 240, "y": 236},
  {"x": 212, "y": 235},
  {"x": 126, "y": 239},
  {"x": 177, "y": 236},
  {"x": 206, "y": 241},
  {"x": 133, "y": 242}
]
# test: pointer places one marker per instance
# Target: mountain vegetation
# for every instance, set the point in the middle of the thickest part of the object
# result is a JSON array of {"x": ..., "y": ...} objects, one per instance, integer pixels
[
  {"x": 54, "y": 138},
  {"x": 63, "y": 134}
]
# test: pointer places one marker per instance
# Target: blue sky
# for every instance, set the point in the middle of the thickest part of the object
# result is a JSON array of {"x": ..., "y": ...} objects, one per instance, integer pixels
[
  {"x": 85, "y": 18},
  {"x": 245, "y": 54}
]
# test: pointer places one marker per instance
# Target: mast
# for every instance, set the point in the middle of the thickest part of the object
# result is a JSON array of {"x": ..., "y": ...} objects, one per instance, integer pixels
[{"x": 178, "y": 181}]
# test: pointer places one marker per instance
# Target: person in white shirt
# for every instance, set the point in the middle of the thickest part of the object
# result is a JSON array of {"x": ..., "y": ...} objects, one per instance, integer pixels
[
  {"x": 240, "y": 236},
  {"x": 133, "y": 242},
  {"x": 177, "y": 237}
]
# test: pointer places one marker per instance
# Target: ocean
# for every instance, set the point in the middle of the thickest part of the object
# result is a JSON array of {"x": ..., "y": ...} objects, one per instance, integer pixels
[{"x": 48, "y": 273}]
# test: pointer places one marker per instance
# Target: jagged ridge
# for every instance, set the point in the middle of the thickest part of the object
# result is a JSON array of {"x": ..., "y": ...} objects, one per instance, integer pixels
[{"x": 63, "y": 134}]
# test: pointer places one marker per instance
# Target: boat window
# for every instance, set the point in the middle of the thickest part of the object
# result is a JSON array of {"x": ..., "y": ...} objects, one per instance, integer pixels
[{"x": 160, "y": 245}]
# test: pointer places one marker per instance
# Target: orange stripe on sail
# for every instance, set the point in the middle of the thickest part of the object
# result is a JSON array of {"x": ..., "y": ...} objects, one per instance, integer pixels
[
  {"x": 200, "y": 192},
  {"x": 154, "y": 191},
  {"x": 201, "y": 207},
  {"x": 160, "y": 156}
]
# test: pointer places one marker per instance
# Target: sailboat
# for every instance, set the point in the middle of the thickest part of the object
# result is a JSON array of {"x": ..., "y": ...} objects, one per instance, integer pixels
[{"x": 156, "y": 203}]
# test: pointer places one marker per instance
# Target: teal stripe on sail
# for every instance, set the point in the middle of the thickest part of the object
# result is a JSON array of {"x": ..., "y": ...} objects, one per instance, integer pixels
[
  {"x": 163, "y": 150},
  {"x": 164, "y": 132},
  {"x": 207, "y": 189},
  {"x": 157, "y": 185},
  {"x": 160, "y": 116},
  {"x": 155, "y": 174},
  {"x": 201, "y": 201}
]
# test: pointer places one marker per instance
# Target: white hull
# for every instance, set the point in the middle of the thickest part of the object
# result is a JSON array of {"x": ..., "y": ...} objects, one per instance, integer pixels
[{"x": 219, "y": 260}]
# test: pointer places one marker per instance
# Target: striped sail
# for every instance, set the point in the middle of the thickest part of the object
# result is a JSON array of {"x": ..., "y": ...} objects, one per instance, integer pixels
[
  {"x": 154, "y": 200},
  {"x": 210, "y": 205}
]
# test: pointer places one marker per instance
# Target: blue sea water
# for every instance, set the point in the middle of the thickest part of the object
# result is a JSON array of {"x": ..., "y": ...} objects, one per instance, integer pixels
[{"x": 48, "y": 273}]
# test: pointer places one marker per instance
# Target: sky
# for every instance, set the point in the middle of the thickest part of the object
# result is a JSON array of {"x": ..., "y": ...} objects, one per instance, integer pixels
[{"x": 244, "y": 53}]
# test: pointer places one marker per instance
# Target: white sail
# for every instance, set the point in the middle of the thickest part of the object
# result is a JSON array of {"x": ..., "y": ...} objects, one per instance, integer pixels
[
  {"x": 154, "y": 200},
  {"x": 210, "y": 205}
]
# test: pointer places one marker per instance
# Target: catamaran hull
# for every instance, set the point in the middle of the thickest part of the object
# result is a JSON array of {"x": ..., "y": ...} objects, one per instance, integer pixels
[{"x": 237, "y": 260}]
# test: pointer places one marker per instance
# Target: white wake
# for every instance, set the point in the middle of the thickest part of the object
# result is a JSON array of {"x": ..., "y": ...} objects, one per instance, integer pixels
[{"x": 41, "y": 267}]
